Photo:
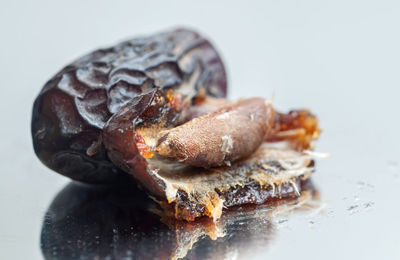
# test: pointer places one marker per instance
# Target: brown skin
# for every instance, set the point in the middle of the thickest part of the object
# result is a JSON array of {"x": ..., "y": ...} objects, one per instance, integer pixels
[
  {"x": 120, "y": 134},
  {"x": 219, "y": 138}
]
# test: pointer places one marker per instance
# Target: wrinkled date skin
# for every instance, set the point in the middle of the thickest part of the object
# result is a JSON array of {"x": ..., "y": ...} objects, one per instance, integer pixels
[{"x": 73, "y": 107}]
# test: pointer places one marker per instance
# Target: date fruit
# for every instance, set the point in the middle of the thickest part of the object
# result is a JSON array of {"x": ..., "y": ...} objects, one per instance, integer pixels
[
  {"x": 71, "y": 110},
  {"x": 153, "y": 109}
]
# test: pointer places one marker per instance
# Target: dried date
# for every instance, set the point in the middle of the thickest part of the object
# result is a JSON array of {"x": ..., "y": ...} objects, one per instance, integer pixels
[
  {"x": 71, "y": 110},
  {"x": 154, "y": 109}
]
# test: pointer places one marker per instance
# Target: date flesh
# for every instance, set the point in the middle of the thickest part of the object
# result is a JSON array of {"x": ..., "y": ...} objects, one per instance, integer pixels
[{"x": 196, "y": 191}]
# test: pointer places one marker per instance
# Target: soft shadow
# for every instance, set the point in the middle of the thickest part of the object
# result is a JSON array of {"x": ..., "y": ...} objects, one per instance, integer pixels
[{"x": 86, "y": 222}]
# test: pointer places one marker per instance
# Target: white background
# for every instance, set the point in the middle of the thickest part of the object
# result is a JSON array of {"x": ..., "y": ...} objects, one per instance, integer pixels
[{"x": 339, "y": 58}]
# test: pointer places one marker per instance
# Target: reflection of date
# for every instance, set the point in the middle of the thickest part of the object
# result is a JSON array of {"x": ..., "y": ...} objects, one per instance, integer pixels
[{"x": 218, "y": 138}]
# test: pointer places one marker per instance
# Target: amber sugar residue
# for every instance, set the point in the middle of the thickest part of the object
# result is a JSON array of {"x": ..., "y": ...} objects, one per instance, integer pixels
[
  {"x": 175, "y": 100},
  {"x": 300, "y": 127},
  {"x": 201, "y": 97},
  {"x": 143, "y": 148}
]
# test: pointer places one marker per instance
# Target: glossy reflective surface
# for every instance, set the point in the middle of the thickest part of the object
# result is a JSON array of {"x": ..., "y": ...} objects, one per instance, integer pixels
[
  {"x": 338, "y": 58},
  {"x": 95, "y": 223}
]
